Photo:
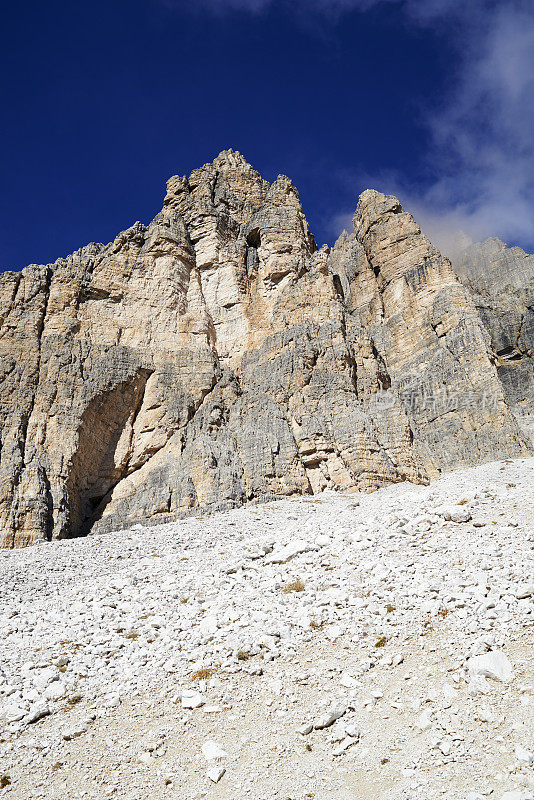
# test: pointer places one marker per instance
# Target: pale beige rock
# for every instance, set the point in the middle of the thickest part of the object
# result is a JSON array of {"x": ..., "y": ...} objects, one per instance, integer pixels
[{"x": 217, "y": 357}]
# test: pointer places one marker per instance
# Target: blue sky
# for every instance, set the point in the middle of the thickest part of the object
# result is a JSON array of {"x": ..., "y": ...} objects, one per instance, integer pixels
[{"x": 103, "y": 101}]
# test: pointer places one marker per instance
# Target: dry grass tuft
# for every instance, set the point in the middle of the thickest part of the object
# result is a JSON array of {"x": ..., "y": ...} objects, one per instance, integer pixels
[
  {"x": 73, "y": 701},
  {"x": 243, "y": 655},
  {"x": 295, "y": 586},
  {"x": 203, "y": 674}
]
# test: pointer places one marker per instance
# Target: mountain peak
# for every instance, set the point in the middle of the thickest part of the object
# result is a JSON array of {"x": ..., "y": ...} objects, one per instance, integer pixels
[{"x": 215, "y": 357}]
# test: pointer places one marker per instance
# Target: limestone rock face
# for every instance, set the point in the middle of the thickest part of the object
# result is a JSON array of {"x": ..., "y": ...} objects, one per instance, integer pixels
[
  {"x": 216, "y": 357},
  {"x": 501, "y": 280}
]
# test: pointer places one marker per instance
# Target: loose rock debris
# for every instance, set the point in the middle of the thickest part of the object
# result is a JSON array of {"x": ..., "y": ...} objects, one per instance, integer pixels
[{"x": 401, "y": 670}]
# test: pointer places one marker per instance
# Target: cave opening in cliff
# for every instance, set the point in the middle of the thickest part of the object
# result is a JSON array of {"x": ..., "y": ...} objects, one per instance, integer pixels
[
  {"x": 338, "y": 287},
  {"x": 103, "y": 453},
  {"x": 254, "y": 238}
]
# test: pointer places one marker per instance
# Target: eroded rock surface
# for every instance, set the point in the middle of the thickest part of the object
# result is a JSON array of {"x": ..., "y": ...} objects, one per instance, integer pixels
[
  {"x": 501, "y": 280},
  {"x": 216, "y": 356}
]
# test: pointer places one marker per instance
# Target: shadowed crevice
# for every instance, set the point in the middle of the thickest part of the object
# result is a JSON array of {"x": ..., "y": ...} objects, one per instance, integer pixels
[{"x": 103, "y": 454}]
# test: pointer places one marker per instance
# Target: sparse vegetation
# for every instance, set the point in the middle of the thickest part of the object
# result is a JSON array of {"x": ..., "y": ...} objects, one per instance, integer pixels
[
  {"x": 300, "y": 650},
  {"x": 73, "y": 701},
  {"x": 243, "y": 655},
  {"x": 5, "y": 780},
  {"x": 295, "y": 586},
  {"x": 203, "y": 674}
]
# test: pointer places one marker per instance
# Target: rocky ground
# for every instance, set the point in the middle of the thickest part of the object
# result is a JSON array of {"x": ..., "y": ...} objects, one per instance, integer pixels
[{"x": 337, "y": 646}]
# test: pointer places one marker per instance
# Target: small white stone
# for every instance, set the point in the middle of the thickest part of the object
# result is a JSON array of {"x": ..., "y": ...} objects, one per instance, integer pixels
[
  {"x": 523, "y": 755},
  {"x": 43, "y": 677},
  {"x": 329, "y": 717},
  {"x": 74, "y": 731},
  {"x": 445, "y": 747},
  {"x": 424, "y": 720},
  {"x": 305, "y": 729},
  {"x": 494, "y": 664},
  {"x": 212, "y": 750},
  {"x": 516, "y": 794},
  {"x": 113, "y": 702},
  {"x": 36, "y": 712},
  {"x": 13, "y": 713},
  {"x": 478, "y": 685},
  {"x": 334, "y": 632},
  {"x": 486, "y": 715},
  {"x": 344, "y": 745},
  {"x": 348, "y": 681},
  {"x": 215, "y": 774},
  {"x": 456, "y": 514},
  {"x": 285, "y": 554},
  {"x": 192, "y": 699},
  {"x": 55, "y": 691}
]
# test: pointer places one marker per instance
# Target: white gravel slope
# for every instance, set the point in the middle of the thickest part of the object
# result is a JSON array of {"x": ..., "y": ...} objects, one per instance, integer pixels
[{"x": 413, "y": 629}]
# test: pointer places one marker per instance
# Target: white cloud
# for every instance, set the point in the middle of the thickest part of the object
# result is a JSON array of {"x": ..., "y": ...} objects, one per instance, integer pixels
[
  {"x": 483, "y": 142},
  {"x": 482, "y": 151}
]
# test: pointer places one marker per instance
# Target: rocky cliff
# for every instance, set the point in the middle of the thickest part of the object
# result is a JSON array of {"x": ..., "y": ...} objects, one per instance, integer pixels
[
  {"x": 501, "y": 280},
  {"x": 217, "y": 356}
]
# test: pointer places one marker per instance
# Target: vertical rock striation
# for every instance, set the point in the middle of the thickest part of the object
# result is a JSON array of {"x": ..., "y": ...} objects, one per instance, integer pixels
[
  {"x": 501, "y": 281},
  {"x": 217, "y": 356}
]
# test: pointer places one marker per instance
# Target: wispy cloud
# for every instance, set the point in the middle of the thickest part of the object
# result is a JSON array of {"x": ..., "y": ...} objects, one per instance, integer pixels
[
  {"x": 420, "y": 9},
  {"x": 327, "y": 7},
  {"x": 482, "y": 137},
  {"x": 481, "y": 156}
]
